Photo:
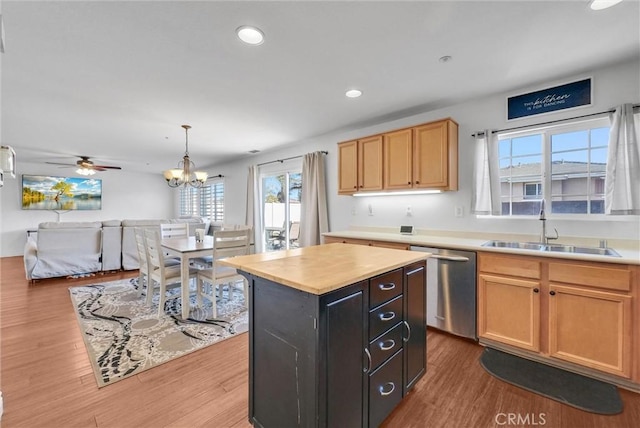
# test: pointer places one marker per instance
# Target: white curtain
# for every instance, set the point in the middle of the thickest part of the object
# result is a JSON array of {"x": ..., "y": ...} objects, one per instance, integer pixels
[
  {"x": 253, "y": 217},
  {"x": 486, "y": 175},
  {"x": 622, "y": 180},
  {"x": 314, "y": 218}
]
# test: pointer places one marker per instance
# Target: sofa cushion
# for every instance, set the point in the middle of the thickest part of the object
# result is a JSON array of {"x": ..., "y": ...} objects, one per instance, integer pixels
[{"x": 70, "y": 225}]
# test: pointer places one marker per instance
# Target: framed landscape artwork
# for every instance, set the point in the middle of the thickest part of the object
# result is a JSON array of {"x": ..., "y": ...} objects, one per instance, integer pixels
[{"x": 46, "y": 192}]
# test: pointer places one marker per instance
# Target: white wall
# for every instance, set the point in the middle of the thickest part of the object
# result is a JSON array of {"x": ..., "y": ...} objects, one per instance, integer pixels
[
  {"x": 132, "y": 195},
  {"x": 612, "y": 86},
  {"x": 125, "y": 195}
]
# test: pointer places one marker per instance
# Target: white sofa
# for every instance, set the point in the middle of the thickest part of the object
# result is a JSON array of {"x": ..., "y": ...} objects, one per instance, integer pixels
[
  {"x": 74, "y": 248},
  {"x": 62, "y": 249}
]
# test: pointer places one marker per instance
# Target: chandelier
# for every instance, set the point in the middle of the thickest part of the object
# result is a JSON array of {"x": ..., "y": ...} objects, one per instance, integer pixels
[{"x": 185, "y": 174}]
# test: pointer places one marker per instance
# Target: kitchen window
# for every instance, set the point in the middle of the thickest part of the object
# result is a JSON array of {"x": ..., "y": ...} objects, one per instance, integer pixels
[
  {"x": 206, "y": 202},
  {"x": 564, "y": 164}
]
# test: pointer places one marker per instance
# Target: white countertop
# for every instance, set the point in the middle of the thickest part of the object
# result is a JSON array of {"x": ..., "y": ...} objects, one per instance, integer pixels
[{"x": 629, "y": 255}]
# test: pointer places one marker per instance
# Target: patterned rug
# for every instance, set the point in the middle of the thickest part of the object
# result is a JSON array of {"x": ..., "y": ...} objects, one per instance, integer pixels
[{"x": 124, "y": 337}]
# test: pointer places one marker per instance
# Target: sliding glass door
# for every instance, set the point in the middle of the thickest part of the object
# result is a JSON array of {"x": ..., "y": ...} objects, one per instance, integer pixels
[{"x": 280, "y": 195}]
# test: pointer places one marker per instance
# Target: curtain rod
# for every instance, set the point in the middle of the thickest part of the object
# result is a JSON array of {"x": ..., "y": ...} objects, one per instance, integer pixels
[
  {"x": 324, "y": 152},
  {"x": 476, "y": 134}
]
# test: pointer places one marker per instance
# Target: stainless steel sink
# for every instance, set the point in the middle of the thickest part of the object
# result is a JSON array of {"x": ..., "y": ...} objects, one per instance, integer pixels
[
  {"x": 519, "y": 245},
  {"x": 581, "y": 250},
  {"x": 561, "y": 248}
]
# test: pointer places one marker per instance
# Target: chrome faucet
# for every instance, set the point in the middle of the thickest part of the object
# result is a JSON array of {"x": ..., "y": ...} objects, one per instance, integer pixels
[{"x": 544, "y": 239}]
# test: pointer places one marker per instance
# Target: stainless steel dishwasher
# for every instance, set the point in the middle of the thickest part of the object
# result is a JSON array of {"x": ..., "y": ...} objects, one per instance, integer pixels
[{"x": 451, "y": 290}]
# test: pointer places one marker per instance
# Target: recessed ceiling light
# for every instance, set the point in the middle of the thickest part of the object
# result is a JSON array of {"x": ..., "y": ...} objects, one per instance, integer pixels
[
  {"x": 353, "y": 93},
  {"x": 250, "y": 35},
  {"x": 602, "y": 4}
]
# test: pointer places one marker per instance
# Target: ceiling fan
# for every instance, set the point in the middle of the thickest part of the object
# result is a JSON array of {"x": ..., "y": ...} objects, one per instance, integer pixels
[{"x": 86, "y": 166}]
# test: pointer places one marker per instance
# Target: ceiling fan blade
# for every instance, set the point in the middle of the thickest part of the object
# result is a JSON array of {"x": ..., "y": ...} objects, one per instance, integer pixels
[
  {"x": 106, "y": 167},
  {"x": 63, "y": 164}
]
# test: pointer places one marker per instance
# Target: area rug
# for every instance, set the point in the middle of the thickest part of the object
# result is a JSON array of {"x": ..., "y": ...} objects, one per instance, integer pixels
[
  {"x": 124, "y": 337},
  {"x": 569, "y": 388}
]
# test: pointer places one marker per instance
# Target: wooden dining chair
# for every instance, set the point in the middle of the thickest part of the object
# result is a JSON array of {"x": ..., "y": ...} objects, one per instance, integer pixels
[
  {"x": 160, "y": 274},
  {"x": 174, "y": 230},
  {"x": 226, "y": 243},
  {"x": 143, "y": 257}
]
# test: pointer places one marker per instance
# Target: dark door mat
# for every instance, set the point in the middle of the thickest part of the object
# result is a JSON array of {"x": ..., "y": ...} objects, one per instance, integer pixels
[{"x": 569, "y": 388}]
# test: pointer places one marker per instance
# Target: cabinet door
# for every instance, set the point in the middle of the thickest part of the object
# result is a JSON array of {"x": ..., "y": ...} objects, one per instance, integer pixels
[
  {"x": 348, "y": 167},
  {"x": 435, "y": 156},
  {"x": 509, "y": 311},
  {"x": 345, "y": 329},
  {"x": 415, "y": 349},
  {"x": 590, "y": 328},
  {"x": 370, "y": 163},
  {"x": 398, "y": 156}
]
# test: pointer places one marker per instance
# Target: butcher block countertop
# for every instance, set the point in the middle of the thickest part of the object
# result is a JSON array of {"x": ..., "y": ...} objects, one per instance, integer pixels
[{"x": 324, "y": 268}]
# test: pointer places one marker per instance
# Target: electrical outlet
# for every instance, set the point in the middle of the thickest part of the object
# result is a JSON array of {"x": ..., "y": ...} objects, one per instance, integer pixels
[
  {"x": 459, "y": 211},
  {"x": 353, "y": 211},
  {"x": 409, "y": 212},
  {"x": 370, "y": 209}
]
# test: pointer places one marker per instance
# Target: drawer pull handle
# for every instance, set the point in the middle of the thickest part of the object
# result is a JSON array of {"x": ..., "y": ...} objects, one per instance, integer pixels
[
  {"x": 387, "y": 287},
  {"x": 387, "y": 344},
  {"x": 383, "y": 392},
  {"x": 366, "y": 369},
  {"x": 387, "y": 316},
  {"x": 408, "y": 331}
]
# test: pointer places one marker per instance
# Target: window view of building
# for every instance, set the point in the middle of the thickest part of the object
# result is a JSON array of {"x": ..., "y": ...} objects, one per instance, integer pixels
[{"x": 565, "y": 165}]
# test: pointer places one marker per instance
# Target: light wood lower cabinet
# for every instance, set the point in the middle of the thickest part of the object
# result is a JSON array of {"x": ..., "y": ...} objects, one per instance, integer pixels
[
  {"x": 563, "y": 311},
  {"x": 590, "y": 328},
  {"x": 509, "y": 311}
]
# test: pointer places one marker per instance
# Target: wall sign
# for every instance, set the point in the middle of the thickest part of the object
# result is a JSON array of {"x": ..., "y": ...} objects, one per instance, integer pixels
[{"x": 570, "y": 95}]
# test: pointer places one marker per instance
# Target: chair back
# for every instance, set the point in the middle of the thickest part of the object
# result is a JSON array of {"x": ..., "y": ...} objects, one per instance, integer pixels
[
  {"x": 174, "y": 230},
  {"x": 294, "y": 231},
  {"x": 142, "y": 249},
  {"x": 230, "y": 243},
  {"x": 155, "y": 256}
]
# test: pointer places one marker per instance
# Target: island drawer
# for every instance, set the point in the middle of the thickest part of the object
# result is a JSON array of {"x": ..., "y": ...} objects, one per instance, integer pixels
[
  {"x": 385, "y": 287},
  {"x": 384, "y": 317},
  {"x": 385, "y": 346},
  {"x": 385, "y": 389}
]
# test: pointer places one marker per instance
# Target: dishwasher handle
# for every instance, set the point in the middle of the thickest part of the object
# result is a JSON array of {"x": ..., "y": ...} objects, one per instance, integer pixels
[{"x": 450, "y": 258}]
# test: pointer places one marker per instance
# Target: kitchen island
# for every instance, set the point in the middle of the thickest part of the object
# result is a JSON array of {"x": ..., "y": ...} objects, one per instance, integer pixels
[{"x": 336, "y": 333}]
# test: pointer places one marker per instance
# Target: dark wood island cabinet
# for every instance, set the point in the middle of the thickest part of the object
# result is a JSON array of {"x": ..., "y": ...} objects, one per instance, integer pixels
[{"x": 337, "y": 333}]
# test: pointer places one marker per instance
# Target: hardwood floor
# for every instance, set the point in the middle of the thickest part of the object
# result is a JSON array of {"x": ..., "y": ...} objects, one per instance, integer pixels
[{"x": 47, "y": 381}]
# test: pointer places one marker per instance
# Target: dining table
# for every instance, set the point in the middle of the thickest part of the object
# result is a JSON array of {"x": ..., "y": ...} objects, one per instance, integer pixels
[{"x": 186, "y": 249}]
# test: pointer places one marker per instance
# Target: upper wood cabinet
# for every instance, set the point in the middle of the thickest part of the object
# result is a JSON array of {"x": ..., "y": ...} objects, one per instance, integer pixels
[
  {"x": 435, "y": 155},
  {"x": 360, "y": 165},
  {"x": 398, "y": 159},
  {"x": 420, "y": 157}
]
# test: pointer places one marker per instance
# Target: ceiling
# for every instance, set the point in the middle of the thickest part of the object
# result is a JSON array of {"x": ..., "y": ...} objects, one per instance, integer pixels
[{"x": 115, "y": 80}]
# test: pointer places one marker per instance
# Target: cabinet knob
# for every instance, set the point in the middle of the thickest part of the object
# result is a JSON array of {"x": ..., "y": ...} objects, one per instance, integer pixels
[
  {"x": 417, "y": 182},
  {"x": 366, "y": 369},
  {"x": 355, "y": 187},
  {"x": 408, "y": 182},
  {"x": 386, "y": 287},
  {"x": 553, "y": 293},
  {"x": 387, "y": 344},
  {"x": 387, "y": 316},
  {"x": 535, "y": 290},
  {"x": 391, "y": 385}
]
